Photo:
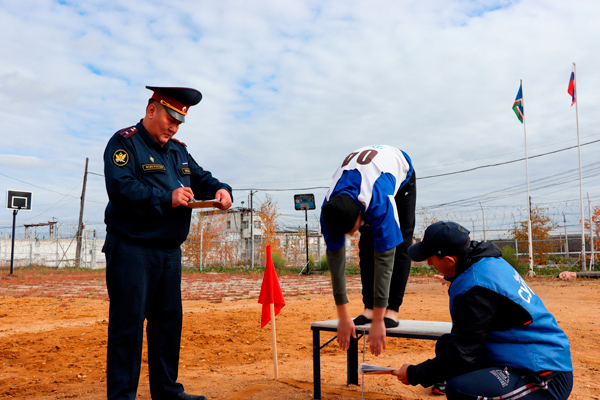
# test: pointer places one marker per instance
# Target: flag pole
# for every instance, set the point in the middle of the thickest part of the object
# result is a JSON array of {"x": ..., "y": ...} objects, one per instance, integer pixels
[
  {"x": 529, "y": 240},
  {"x": 580, "y": 173},
  {"x": 274, "y": 340}
]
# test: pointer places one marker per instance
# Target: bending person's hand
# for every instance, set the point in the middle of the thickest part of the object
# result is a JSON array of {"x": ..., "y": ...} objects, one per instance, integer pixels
[
  {"x": 345, "y": 329},
  {"x": 377, "y": 337}
]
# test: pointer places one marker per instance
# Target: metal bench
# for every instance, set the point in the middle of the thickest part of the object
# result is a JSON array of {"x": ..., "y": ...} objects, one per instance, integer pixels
[{"x": 431, "y": 330}]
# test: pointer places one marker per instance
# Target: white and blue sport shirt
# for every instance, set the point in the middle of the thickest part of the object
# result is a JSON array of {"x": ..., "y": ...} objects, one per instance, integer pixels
[{"x": 372, "y": 175}]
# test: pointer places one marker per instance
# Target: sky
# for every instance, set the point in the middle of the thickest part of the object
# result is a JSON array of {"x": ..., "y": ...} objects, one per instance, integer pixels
[{"x": 292, "y": 87}]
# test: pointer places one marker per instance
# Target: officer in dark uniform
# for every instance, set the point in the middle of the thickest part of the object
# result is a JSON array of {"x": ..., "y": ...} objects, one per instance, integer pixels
[{"x": 150, "y": 178}]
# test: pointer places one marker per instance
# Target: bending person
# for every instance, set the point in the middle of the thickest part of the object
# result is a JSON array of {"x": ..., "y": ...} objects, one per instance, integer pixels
[{"x": 373, "y": 192}]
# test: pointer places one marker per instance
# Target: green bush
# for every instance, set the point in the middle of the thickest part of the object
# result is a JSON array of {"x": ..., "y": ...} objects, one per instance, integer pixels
[
  {"x": 509, "y": 255},
  {"x": 278, "y": 260},
  {"x": 558, "y": 260},
  {"x": 422, "y": 269},
  {"x": 324, "y": 266}
]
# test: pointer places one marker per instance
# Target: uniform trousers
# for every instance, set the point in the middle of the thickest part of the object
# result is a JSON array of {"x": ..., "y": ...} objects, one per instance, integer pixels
[
  {"x": 502, "y": 383},
  {"x": 406, "y": 200},
  {"x": 144, "y": 284}
]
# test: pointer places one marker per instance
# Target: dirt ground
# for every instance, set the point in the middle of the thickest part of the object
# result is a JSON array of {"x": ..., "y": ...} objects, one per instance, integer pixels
[{"x": 53, "y": 338}]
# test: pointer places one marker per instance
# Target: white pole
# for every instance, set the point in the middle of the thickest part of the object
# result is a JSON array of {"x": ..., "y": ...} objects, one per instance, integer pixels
[
  {"x": 566, "y": 235},
  {"x": 252, "y": 230},
  {"x": 274, "y": 340},
  {"x": 591, "y": 234},
  {"x": 484, "y": 228},
  {"x": 530, "y": 273},
  {"x": 580, "y": 173}
]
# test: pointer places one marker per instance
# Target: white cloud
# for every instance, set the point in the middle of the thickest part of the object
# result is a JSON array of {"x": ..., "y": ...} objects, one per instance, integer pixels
[{"x": 291, "y": 87}]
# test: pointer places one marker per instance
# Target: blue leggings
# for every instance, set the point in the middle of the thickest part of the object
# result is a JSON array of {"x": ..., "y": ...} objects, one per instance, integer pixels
[{"x": 497, "y": 383}]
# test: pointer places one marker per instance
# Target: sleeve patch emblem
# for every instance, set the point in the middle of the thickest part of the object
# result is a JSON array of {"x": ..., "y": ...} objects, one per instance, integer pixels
[
  {"x": 153, "y": 167},
  {"x": 185, "y": 171},
  {"x": 120, "y": 158}
]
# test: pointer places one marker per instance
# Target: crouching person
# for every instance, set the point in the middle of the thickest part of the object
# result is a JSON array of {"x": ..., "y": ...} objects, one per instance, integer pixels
[{"x": 504, "y": 344}]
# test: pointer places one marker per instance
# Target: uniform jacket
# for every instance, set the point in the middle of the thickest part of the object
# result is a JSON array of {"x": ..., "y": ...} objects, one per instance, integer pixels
[
  {"x": 497, "y": 321},
  {"x": 140, "y": 177}
]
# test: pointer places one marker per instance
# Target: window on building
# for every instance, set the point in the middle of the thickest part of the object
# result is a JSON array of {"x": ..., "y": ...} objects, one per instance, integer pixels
[{"x": 246, "y": 224}]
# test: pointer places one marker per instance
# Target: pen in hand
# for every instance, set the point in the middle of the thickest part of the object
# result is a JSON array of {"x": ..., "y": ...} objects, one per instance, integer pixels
[{"x": 181, "y": 184}]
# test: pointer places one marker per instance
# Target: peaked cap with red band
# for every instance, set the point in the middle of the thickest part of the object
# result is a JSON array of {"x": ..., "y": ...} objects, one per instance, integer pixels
[{"x": 176, "y": 100}]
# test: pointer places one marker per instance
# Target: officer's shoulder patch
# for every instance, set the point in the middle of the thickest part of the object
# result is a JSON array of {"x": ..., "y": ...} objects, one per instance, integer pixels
[
  {"x": 120, "y": 158},
  {"x": 178, "y": 141},
  {"x": 128, "y": 132}
]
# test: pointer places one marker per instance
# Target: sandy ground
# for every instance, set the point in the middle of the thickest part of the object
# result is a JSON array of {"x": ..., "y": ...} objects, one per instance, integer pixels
[{"x": 53, "y": 346}]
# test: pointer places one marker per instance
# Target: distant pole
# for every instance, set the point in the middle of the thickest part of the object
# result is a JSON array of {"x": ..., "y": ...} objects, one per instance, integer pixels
[
  {"x": 530, "y": 273},
  {"x": 201, "y": 233},
  {"x": 580, "y": 173},
  {"x": 12, "y": 250},
  {"x": 566, "y": 236},
  {"x": 591, "y": 234},
  {"x": 484, "y": 227},
  {"x": 252, "y": 227},
  {"x": 80, "y": 226},
  {"x": 306, "y": 227}
]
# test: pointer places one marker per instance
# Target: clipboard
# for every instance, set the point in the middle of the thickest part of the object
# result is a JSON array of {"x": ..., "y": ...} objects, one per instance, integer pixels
[{"x": 204, "y": 203}]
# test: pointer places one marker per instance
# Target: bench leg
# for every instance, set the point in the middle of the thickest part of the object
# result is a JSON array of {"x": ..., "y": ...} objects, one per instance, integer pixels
[
  {"x": 353, "y": 362},
  {"x": 317, "y": 363}
]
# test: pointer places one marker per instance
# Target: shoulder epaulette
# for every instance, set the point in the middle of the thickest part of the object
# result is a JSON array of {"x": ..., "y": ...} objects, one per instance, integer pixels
[
  {"x": 128, "y": 132},
  {"x": 178, "y": 141}
]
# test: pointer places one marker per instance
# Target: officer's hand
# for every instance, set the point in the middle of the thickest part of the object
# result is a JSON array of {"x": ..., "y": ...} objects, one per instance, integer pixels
[
  {"x": 345, "y": 329},
  {"x": 401, "y": 374},
  {"x": 377, "y": 337},
  {"x": 182, "y": 196},
  {"x": 224, "y": 197}
]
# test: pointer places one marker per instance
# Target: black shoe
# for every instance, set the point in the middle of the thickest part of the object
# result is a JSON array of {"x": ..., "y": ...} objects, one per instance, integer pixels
[
  {"x": 390, "y": 323},
  {"x": 361, "y": 320},
  {"x": 439, "y": 388},
  {"x": 185, "y": 396}
]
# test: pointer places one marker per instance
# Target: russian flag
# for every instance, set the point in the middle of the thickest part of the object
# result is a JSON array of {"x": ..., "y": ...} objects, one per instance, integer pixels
[{"x": 571, "y": 89}]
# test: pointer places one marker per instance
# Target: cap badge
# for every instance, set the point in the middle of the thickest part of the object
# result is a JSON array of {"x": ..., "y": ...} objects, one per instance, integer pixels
[
  {"x": 184, "y": 109},
  {"x": 151, "y": 159},
  {"x": 120, "y": 158}
]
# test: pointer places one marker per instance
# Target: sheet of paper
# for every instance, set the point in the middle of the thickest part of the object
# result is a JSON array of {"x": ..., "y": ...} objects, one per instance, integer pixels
[
  {"x": 203, "y": 203},
  {"x": 368, "y": 369}
]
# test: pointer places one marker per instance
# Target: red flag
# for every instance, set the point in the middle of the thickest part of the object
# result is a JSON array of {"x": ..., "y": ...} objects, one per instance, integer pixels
[
  {"x": 571, "y": 89},
  {"x": 270, "y": 292}
]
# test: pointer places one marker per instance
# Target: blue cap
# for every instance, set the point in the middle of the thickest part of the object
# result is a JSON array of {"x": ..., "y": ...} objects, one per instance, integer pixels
[{"x": 443, "y": 238}]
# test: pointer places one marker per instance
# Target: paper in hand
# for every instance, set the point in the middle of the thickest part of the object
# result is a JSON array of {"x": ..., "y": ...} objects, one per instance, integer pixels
[
  {"x": 203, "y": 203},
  {"x": 368, "y": 369}
]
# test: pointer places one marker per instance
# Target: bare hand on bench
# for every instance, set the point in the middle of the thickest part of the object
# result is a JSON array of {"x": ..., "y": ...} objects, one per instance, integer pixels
[{"x": 344, "y": 330}]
